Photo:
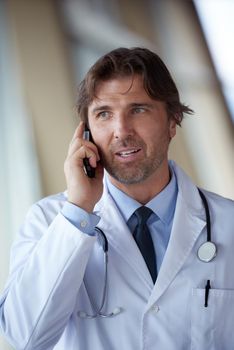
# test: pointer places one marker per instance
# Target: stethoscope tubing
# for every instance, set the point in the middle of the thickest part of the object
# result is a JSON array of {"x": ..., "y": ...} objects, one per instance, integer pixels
[
  {"x": 208, "y": 224},
  {"x": 99, "y": 313},
  {"x": 206, "y": 252}
]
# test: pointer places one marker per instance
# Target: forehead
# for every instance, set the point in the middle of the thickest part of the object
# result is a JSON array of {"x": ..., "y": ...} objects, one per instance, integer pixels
[{"x": 124, "y": 88}]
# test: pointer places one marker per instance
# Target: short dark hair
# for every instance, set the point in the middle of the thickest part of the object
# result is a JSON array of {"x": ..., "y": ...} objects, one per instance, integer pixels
[{"x": 122, "y": 62}]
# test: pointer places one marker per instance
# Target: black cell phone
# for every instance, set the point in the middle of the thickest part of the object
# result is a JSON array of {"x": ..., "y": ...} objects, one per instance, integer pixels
[{"x": 89, "y": 171}]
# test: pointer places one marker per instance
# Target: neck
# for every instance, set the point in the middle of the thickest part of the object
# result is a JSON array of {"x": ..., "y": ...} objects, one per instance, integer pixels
[{"x": 144, "y": 191}]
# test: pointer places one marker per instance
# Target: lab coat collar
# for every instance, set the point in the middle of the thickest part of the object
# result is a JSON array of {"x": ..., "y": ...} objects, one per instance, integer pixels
[{"x": 189, "y": 220}]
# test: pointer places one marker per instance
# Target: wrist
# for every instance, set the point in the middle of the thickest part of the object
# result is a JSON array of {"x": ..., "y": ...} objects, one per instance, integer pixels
[
  {"x": 81, "y": 204},
  {"x": 85, "y": 222}
]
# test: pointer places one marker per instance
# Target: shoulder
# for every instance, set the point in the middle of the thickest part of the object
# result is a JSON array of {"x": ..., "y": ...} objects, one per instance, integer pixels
[
  {"x": 186, "y": 185},
  {"x": 219, "y": 203},
  {"x": 189, "y": 192}
]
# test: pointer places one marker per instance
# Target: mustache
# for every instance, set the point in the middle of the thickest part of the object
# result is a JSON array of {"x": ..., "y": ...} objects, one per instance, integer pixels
[{"x": 127, "y": 142}]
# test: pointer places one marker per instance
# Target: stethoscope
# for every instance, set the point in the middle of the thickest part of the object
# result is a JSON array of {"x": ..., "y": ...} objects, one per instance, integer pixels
[
  {"x": 99, "y": 312},
  {"x": 208, "y": 250},
  {"x": 206, "y": 253}
]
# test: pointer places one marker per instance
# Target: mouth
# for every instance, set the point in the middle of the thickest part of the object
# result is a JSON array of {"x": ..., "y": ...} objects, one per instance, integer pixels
[{"x": 128, "y": 153}]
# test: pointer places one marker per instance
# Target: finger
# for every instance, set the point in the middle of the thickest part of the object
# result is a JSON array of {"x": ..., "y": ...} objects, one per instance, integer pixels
[
  {"x": 78, "y": 132},
  {"x": 90, "y": 154},
  {"x": 84, "y": 152},
  {"x": 78, "y": 143},
  {"x": 74, "y": 146}
]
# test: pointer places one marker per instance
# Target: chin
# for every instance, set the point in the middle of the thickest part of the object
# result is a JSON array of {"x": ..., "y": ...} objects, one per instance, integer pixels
[{"x": 129, "y": 176}]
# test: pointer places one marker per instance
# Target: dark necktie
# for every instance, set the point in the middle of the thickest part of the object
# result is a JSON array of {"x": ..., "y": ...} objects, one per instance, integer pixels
[{"x": 144, "y": 241}]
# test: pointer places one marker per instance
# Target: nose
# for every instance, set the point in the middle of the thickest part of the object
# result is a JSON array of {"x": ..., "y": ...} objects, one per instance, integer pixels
[{"x": 122, "y": 127}]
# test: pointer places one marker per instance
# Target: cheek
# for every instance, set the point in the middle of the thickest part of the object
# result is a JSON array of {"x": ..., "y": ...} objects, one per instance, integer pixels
[
  {"x": 96, "y": 132},
  {"x": 102, "y": 134},
  {"x": 158, "y": 137},
  {"x": 100, "y": 138},
  {"x": 152, "y": 134}
]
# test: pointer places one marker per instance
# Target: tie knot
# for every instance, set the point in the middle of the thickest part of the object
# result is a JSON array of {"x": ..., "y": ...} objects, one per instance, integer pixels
[{"x": 143, "y": 214}]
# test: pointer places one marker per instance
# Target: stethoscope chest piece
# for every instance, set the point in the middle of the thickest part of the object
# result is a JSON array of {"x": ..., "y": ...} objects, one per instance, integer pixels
[{"x": 207, "y": 251}]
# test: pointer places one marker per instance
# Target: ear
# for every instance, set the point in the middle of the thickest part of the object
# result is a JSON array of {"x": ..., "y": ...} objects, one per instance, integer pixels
[{"x": 172, "y": 128}]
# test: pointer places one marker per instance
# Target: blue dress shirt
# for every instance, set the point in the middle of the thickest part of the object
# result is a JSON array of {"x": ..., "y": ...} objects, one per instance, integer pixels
[{"x": 159, "y": 223}]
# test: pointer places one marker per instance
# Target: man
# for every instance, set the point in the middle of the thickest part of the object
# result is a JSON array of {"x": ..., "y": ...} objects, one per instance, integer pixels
[{"x": 157, "y": 289}]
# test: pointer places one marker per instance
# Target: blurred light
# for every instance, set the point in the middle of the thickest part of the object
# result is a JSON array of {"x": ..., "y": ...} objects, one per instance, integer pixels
[{"x": 217, "y": 20}]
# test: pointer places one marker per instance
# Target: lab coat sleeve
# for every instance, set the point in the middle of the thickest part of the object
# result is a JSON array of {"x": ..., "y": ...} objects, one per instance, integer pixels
[{"x": 48, "y": 262}]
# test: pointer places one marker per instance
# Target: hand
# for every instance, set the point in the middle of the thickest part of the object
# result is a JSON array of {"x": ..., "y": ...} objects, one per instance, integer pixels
[{"x": 83, "y": 191}]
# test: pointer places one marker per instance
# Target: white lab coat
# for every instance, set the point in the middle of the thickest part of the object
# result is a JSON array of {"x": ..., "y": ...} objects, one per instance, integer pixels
[{"x": 45, "y": 289}]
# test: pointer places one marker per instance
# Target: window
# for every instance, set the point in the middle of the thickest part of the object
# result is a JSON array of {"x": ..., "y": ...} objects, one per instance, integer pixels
[{"x": 216, "y": 18}]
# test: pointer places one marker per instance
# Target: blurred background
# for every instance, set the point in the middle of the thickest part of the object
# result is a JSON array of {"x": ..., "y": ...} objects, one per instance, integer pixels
[{"x": 46, "y": 47}]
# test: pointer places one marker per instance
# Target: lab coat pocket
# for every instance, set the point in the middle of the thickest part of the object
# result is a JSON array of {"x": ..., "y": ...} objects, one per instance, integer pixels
[{"x": 212, "y": 326}]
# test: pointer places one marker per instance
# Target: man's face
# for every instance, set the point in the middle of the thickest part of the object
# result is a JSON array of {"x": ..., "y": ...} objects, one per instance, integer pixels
[{"x": 131, "y": 130}]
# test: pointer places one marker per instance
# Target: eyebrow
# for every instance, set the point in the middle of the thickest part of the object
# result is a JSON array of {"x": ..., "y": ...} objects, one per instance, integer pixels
[
  {"x": 100, "y": 108},
  {"x": 141, "y": 104},
  {"x": 131, "y": 105}
]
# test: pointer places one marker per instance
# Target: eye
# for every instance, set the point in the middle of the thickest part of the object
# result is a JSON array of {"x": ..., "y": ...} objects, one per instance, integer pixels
[
  {"x": 138, "y": 110},
  {"x": 103, "y": 115}
]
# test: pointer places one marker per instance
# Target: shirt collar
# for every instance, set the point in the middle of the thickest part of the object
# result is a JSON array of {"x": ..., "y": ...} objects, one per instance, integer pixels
[{"x": 163, "y": 204}]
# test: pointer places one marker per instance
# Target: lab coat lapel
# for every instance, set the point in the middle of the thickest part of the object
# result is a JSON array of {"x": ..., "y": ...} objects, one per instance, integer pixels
[
  {"x": 120, "y": 238},
  {"x": 189, "y": 220}
]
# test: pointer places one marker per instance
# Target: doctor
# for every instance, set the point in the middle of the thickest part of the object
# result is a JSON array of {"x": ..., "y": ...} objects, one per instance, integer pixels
[{"x": 61, "y": 294}]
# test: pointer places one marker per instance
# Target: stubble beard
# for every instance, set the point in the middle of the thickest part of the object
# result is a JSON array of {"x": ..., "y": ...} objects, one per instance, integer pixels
[{"x": 135, "y": 172}]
